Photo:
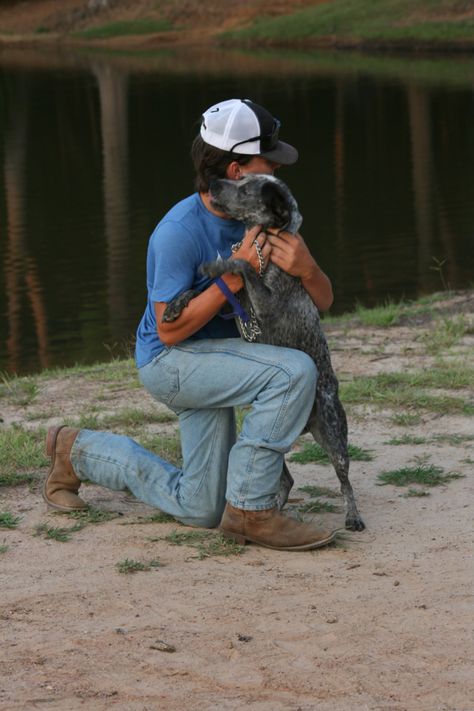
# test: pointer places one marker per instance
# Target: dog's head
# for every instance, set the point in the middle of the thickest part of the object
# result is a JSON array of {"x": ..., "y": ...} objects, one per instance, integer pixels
[{"x": 257, "y": 199}]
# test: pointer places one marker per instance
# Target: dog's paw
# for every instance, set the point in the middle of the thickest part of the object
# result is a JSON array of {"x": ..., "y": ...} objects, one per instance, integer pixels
[
  {"x": 213, "y": 269},
  {"x": 354, "y": 522},
  {"x": 175, "y": 307}
]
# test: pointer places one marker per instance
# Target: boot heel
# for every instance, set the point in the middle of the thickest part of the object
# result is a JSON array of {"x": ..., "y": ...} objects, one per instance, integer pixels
[
  {"x": 236, "y": 537},
  {"x": 51, "y": 439}
]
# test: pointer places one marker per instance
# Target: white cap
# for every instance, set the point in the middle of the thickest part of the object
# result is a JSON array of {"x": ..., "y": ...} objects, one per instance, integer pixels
[{"x": 243, "y": 127}]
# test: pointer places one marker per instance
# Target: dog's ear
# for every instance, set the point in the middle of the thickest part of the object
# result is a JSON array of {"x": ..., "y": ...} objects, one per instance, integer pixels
[{"x": 276, "y": 202}]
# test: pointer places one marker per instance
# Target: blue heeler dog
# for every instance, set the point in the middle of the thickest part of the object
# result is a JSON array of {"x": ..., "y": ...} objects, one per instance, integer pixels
[{"x": 282, "y": 312}]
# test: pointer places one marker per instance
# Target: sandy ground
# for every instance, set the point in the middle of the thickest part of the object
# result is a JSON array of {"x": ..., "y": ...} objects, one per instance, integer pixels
[{"x": 383, "y": 621}]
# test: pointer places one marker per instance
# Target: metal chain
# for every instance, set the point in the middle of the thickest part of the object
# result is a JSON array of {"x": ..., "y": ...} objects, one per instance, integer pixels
[{"x": 250, "y": 329}]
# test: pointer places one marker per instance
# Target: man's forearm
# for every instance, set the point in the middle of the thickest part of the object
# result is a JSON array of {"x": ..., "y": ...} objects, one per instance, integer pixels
[
  {"x": 319, "y": 287},
  {"x": 197, "y": 313}
]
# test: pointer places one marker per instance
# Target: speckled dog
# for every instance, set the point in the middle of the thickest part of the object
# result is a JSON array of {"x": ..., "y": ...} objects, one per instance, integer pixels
[{"x": 285, "y": 313}]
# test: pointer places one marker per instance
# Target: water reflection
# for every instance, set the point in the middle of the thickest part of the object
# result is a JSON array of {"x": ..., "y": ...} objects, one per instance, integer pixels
[{"x": 95, "y": 150}]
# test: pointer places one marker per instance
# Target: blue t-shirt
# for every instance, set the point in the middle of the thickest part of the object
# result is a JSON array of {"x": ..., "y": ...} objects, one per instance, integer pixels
[{"x": 187, "y": 236}]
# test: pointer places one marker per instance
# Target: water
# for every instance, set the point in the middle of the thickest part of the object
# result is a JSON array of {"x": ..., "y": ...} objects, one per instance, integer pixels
[{"x": 94, "y": 149}]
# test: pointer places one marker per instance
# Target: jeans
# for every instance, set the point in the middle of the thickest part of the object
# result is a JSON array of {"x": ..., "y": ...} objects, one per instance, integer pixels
[{"x": 202, "y": 381}]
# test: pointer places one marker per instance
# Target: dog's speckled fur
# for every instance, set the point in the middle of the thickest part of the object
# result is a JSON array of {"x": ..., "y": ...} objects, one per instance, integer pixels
[{"x": 285, "y": 311}]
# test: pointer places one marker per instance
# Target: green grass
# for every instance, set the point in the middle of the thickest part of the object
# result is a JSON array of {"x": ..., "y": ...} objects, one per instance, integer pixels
[
  {"x": 453, "y": 439},
  {"x": 166, "y": 447},
  {"x": 313, "y": 452},
  {"x": 406, "y": 419},
  {"x": 8, "y": 520},
  {"x": 57, "y": 533},
  {"x": 92, "y": 516},
  {"x": 4, "y": 548},
  {"x": 21, "y": 455},
  {"x": 17, "y": 390},
  {"x": 205, "y": 543},
  {"x": 407, "y": 439},
  {"x": 317, "y": 506},
  {"x": 122, "y": 28},
  {"x": 128, "y": 566},
  {"x": 409, "y": 389},
  {"x": 445, "y": 334},
  {"x": 411, "y": 493},
  {"x": 315, "y": 491},
  {"x": 129, "y": 419},
  {"x": 395, "y": 20},
  {"x": 422, "y": 474}
]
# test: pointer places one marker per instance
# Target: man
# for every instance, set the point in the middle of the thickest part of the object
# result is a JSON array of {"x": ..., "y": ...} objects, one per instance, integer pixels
[{"x": 199, "y": 367}]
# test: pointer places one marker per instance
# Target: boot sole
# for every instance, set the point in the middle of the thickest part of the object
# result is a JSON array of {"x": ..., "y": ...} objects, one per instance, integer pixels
[
  {"x": 242, "y": 540},
  {"x": 51, "y": 439}
]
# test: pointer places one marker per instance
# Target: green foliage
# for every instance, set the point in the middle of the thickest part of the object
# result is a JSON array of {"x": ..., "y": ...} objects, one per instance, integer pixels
[
  {"x": 206, "y": 544},
  {"x": 407, "y": 439},
  {"x": 91, "y": 515},
  {"x": 315, "y": 491},
  {"x": 122, "y": 28},
  {"x": 445, "y": 334},
  {"x": 316, "y": 506},
  {"x": 416, "y": 493},
  {"x": 21, "y": 451},
  {"x": 16, "y": 390},
  {"x": 422, "y": 474},
  {"x": 8, "y": 520},
  {"x": 313, "y": 452},
  {"x": 395, "y": 20},
  {"x": 406, "y": 419},
  {"x": 56, "y": 533},
  {"x": 128, "y": 566}
]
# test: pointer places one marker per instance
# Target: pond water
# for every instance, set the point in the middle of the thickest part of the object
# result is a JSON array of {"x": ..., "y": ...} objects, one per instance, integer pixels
[{"x": 95, "y": 148}]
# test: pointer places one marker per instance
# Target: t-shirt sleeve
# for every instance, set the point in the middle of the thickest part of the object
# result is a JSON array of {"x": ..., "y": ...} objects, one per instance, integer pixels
[{"x": 173, "y": 259}]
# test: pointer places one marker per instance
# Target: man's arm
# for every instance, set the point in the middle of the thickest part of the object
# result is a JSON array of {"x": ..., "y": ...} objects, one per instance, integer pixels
[
  {"x": 206, "y": 305},
  {"x": 290, "y": 253}
]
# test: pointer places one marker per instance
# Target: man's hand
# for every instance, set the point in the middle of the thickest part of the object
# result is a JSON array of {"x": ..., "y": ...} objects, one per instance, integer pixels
[
  {"x": 248, "y": 251},
  {"x": 290, "y": 253}
]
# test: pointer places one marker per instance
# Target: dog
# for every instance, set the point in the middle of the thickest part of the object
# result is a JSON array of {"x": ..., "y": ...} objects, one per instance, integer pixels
[{"x": 284, "y": 312}]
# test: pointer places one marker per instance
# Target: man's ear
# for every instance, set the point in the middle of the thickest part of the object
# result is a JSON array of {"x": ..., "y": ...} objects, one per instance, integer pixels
[
  {"x": 276, "y": 202},
  {"x": 233, "y": 172}
]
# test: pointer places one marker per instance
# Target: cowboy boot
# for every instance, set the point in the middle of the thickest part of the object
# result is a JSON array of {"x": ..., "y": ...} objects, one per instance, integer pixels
[
  {"x": 272, "y": 529},
  {"x": 62, "y": 485}
]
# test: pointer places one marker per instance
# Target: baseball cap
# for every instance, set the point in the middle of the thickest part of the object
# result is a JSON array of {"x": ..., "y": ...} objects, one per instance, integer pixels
[{"x": 242, "y": 126}]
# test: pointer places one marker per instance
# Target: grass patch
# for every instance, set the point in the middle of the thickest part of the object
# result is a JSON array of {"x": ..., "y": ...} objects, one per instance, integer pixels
[
  {"x": 18, "y": 390},
  {"x": 454, "y": 439},
  {"x": 445, "y": 334},
  {"x": 205, "y": 543},
  {"x": 408, "y": 390},
  {"x": 415, "y": 493},
  {"x": 58, "y": 534},
  {"x": 92, "y": 515},
  {"x": 407, "y": 439},
  {"x": 159, "y": 517},
  {"x": 122, "y": 28},
  {"x": 315, "y": 491},
  {"x": 313, "y": 452},
  {"x": 397, "y": 20},
  {"x": 166, "y": 447},
  {"x": 422, "y": 474},
  {"x": 4, "y": 548},
  {"x": 8, "y": 520},
  {"x": 128, "y": 566},
  {"x": 21, "y": 452},
  {"x": 317, "y": 506},
  {"x": 406, "y": 419}
]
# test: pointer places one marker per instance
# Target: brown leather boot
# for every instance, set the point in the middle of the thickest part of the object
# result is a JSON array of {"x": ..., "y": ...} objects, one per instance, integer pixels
[
  {"x": 62, "y": 485},
  {"x": 272, "y": 529}
]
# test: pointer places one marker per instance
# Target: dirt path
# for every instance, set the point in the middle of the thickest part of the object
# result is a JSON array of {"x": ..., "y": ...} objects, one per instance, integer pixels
[{"x": 381, "y": 622}]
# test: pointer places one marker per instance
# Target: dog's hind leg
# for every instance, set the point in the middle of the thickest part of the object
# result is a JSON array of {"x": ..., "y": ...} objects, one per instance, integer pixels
[
  {"x": 286, "y": 484},
  {"x": 175, "y": 307},
  {"x": 328, "y": 426}
]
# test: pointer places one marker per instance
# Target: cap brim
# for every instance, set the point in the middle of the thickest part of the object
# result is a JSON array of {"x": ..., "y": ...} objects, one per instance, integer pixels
[{"x": 282, "y": 153}]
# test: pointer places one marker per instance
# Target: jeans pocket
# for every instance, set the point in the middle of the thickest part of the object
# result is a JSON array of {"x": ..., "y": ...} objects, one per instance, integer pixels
[{"x": 160, "y": 379}]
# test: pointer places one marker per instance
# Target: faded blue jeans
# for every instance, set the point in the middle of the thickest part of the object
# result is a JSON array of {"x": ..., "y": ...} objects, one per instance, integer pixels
[{"x": 202, "y": 381}]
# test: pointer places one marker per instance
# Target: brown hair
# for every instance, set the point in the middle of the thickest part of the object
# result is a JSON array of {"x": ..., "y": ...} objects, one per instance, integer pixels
[{"x": 210, "y": 163}]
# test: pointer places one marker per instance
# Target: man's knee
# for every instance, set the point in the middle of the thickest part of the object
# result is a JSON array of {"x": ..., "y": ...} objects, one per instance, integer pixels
[
  {"x": 303, "y": 370},
  {"x": 204, "y": 519}
]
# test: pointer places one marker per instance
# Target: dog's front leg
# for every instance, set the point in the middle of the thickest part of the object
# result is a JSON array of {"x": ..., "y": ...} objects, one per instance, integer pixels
[{"x": 175, "y": 307}]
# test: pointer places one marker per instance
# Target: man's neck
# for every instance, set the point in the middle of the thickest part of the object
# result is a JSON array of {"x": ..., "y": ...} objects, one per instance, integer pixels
[{"x": 206, "y": 199}]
